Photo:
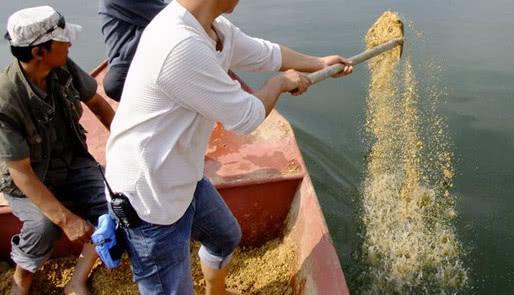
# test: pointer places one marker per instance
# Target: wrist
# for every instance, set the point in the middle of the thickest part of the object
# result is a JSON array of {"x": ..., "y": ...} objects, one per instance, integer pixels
[
  {"x": 321, "y": 64},
  {"x": 62, "y": 217},
  {"x": 277, "y": 84}
]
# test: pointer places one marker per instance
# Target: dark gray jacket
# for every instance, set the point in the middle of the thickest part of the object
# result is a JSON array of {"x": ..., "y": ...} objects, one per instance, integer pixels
[{"x": 25, "y": 117}]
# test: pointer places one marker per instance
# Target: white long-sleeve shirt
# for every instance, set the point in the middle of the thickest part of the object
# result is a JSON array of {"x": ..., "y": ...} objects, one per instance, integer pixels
[{"x": 176, "y": 89}]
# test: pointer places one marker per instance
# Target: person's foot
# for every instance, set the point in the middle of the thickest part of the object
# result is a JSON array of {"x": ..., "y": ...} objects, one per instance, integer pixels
[
  {"x": 19, "y": 290},
  {"x": 78, "y": 283},
  {"x": 232, "y": 292},
  {"x": 76, "y": 289},
  {"x": 21, "y": 281}
]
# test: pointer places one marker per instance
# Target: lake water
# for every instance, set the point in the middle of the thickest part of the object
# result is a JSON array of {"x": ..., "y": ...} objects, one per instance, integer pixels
[{"x": 472, "y": 40}]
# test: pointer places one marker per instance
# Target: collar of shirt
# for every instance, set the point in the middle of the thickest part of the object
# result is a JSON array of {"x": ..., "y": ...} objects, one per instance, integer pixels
[{"x": 190, "y": 19}]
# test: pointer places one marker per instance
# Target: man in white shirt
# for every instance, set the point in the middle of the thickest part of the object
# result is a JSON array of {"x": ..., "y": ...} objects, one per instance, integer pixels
[{"x": 176, "y": 89}]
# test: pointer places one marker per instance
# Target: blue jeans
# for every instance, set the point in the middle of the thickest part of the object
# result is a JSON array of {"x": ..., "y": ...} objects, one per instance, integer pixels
[{"x": 160, "y": 253}]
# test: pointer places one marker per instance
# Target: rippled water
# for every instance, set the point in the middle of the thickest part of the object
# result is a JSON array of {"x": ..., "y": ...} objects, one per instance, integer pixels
[{"x": 472, "y": 41}]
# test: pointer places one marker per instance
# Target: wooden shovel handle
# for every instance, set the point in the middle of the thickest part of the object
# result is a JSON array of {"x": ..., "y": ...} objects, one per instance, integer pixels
[{"x": 356, "y": 59}]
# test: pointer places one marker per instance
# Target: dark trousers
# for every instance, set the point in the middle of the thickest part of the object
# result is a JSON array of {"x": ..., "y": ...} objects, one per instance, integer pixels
[
  {"x": 83, "y": 193},
  {"x": 114, "y": 81}
]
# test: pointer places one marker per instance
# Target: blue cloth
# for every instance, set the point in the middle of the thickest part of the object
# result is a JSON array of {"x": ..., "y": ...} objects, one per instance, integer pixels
[
  {"x": 104, "y": 239},
  {"x": 160, "y": 255}
]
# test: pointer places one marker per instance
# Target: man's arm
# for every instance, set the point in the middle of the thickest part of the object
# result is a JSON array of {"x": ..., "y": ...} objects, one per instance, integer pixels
[
  {"x": 293, "y": 63},
  {"x": 257, "y": 55},
  {"x": 75, "y": 228},
  {"x": 283, "y": 82},
  {"x": 102, "y": 109},
  {"x": 306, "y": 63}
]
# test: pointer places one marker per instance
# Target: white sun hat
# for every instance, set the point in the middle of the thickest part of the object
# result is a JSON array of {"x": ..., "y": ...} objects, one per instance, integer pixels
[{"x": 36, "y": 25}]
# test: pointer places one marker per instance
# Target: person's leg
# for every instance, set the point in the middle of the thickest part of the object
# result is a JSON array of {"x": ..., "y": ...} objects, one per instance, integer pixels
[
  {"x": 159, "y": 255},
  {"x": 85, "y": 192},
  {"x": 22, "y": 280},
  {"x": 85, "y": 262},
  {"x": 33, "y": 245},
  {"x": 215, "y": 279},
  {"x": 218, "y": 231}
]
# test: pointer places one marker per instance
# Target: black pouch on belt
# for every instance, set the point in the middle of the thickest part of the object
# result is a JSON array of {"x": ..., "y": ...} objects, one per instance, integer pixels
[{"x": 122, "y": 208}]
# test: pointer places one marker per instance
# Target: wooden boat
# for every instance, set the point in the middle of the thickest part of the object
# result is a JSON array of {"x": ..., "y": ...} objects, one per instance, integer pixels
[{"x": 264, "y": 181}]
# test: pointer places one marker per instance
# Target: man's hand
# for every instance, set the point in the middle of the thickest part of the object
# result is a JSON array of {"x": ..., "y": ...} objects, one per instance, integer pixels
[
  {"x": 77, "y": 229},
  {"x": 295, "y": 82},
  {"x": 336, "y": 59},
  {"x": 288, "y": 81}
]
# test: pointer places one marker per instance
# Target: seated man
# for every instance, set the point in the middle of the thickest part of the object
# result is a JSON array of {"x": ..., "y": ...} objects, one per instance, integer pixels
[
  {"x": 123, "y": 22},
  {"x": 49, "y": 179},
  {"x": 177, "y": 88}
]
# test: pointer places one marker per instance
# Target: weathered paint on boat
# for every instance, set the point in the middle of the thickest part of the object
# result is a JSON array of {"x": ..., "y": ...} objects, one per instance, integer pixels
[{"x": 264, "y": 181}]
